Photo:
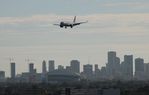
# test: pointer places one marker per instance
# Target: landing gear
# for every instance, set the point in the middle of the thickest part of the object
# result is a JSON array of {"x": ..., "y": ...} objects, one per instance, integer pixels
[
  {"x": 71, "y": 26},
  {"x": 65, "y": 27},
  {"x": 61, "y": 26}
]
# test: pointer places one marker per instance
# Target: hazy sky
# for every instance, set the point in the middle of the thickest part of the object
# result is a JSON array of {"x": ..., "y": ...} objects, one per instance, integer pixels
[{"x": 27, "y": 31}]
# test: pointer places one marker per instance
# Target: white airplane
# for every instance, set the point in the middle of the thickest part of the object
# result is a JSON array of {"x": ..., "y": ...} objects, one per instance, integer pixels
[{"x": 67, "y": 24}]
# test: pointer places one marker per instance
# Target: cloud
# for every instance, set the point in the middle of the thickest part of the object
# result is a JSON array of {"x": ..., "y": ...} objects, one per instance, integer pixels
[
  {"x": 132, "y": 23},
  {"x": 130, "y": 4}
]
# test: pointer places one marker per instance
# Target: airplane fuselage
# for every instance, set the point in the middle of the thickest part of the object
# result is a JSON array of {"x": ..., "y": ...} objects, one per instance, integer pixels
[{"x": 64, "y": 24}]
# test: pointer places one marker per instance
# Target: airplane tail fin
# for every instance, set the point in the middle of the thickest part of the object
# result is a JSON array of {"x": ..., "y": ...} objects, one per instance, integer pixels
[{"x": 74, "y": 20}]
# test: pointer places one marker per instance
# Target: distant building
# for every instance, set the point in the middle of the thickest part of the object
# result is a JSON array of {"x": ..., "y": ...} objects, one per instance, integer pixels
[
  {"x": 51, "y": 65},
  {"x": 31, "y": 68},
  {"x": 96, "y": 68},
  {"x": 60, "y": 67},
  {"x": 97, "y": 72},
  {"x": 62, "y": 75},
  {"x": 75, "y": 66},
  {"x": 27, "y": 77},
  {"x": 103, "y": 73},
  {"x": 44, "y": 68},
  {"x": 88, "y": 71},
  {"x": 127, "y": 67},
  {"x": 111, "y": 57},
  {"x": 146, "y": 70},
  {"x": 139, "y": 68},
  {"x": 13, "y": 70},
  {"x": 2, "y": 76},
  {"x": 68, "y": 68},
  {"x": 113, "y": 65}
]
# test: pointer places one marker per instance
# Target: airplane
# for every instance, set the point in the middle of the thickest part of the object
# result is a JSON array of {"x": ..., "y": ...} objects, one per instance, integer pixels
[{"x": 67, "y": 24}]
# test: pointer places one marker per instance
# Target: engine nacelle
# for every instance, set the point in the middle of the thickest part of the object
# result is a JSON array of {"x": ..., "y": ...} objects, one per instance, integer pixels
[{"x": 61, "y": 24}]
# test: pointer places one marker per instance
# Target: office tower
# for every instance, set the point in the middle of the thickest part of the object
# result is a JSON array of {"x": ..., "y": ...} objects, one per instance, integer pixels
[
  {"x": 44, "y": 68},
  {"x": 139, "y": 68},
  {"x": 139, "y": 64},
  {"x": 13, "y": 70},
  {"x": 75, "y": 66},
  {"x": 117, "y": 61},
  {"x": 60, "y": 67},
  {"x": 68, "y": 68},
  {"x": 97, "y": 71},
  {"x": 127, "y": 67},
  {"x": 103, "y": 72},
  {"x": 113, "y": 65},
  {"x": 117, "y": 65},
  {"x": 146, "y": 70},
  {"x": 2, "y": 75},
  {"x": 88, "y": 71},
  {"x": 31, "y": 68},
  {"x": 51, "y": 65},
  {"x": 96, "y": 67},
  {"x": 111, "y": 57}
]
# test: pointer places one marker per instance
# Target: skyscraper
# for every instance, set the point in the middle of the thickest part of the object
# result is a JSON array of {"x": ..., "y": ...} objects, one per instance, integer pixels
[
  {"x": 44, "y": 68},
  {"x": 113, "y": 65},
  {"x": 2, "y": 75},
  {"x": 97, "y": 71},
  {"x": 88, "y": 71},
  {"x": 127, "y": 67},
  {"x": 139, "y": 68},
  {"x": 13, "y": 70},
  {"x": 51, "y": 65},
  {"x": 96, "y": 67},
  {"x": 139, "y": 64},
  {"x": 111, "y": 57},
  {"x": 31, "y": 67},
  {"x": 146, "y": 70},
  {"x": 75, "y": 66}
]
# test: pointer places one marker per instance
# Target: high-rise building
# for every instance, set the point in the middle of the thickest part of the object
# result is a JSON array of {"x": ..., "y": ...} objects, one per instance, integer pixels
[
  {"x": 139, "y": 64},
  {"x": 97, "y": 71},
  {"x": 75, "y": 66},
  {"x": 127, "y": 67},
  {"x": 96, "y": 67},
  {"x": 51, "y": 65},
  {"x": 2, "y": 75},
  {"x": 44, "y": 68},
  {"x": 13, "y": 70},
  {"x": 88, "y": 70},
  {"x": 111, "y": 57},
  {"x": 103, "y": 72},
  {"x": 146, "y": 70},
  {"x": 117, "y": 65},
  {"x": 113, "y": 65},
  {"x": 139, "y": 68},
  {"x": 31, "y": 68}
]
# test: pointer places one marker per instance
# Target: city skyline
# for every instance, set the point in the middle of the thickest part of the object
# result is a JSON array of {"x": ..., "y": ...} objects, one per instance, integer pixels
[
  {"x": 129, "y": 68},
  {"x": 27, "y": 31},
  {"x": 111, "y": 62}
]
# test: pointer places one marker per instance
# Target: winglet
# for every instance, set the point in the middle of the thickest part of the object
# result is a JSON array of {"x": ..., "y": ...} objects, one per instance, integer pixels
[{"x": 74, "y": 20}]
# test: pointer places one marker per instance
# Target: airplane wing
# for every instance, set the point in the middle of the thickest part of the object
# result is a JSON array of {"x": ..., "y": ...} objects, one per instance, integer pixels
[
  {"x": 79, "y": 23},
  {"x": 57, "y": 24}
]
